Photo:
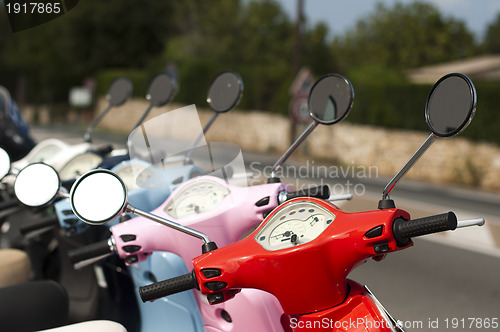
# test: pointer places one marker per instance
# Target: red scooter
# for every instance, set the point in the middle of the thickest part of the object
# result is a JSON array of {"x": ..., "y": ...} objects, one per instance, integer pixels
[{"x": 305, "y": 249}]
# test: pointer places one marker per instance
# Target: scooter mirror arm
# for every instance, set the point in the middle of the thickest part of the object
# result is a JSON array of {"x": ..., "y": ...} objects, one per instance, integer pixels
[
  {"x": 207, "y": 126},
  {"x": 292, "y": 148},
  {"x": 409, "y": 164},
  {"x": 168, "y": 223},
  {"x": 87, "y": 136},
  {"x": 200, "y": 136},
  {"x": 146, "y": 112},
  {"x": 63, "y": 193}
]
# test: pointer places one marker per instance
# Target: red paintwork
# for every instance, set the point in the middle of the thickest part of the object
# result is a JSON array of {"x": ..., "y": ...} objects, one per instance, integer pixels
[
  {"x": 356, "y": 313},
  {"x": 311, "y": 277}
]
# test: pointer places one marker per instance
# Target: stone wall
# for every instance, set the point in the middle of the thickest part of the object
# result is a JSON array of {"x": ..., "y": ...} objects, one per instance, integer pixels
[{"x": 453, "y": 160}]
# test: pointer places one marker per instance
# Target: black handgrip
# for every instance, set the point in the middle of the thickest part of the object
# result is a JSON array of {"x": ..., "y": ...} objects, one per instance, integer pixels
[
  {"x": 168, "y": 287},
  {"x": 44, "y": 222},
  {"x": 90, "y": 251},
  {"x": 404, "y": 230},
  {"x": 318, "y": 192},
  {"x": 104, "y": 150}
]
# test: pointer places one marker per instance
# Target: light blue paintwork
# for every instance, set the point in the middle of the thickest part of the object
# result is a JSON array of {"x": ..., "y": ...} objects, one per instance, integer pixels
[{"x": 179, "y": 312}]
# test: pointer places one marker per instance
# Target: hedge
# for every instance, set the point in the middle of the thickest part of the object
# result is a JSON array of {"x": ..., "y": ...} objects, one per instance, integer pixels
[{"x": 386, "y": 105}]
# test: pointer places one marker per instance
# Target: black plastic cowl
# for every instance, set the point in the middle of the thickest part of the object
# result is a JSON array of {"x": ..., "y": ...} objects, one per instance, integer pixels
[{"x": 207, "y": 247}]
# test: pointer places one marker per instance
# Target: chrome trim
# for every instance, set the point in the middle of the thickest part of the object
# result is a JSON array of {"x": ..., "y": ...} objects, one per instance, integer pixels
[
  {"x": 282, "y": 196},
  {"x": 396, "y": 325},
  {"x": 409, "y": 164},
  {"x": 470, "y": 222},
  {"x": 168, "y": 223}
]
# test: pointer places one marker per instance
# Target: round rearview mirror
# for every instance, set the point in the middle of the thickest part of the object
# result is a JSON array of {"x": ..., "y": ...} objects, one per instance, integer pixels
[
  {"x": 4, "y": 163},
  {"x": 37, "y": 185},
  {"x": 161, "y": 90},
  {"x": 119, "y": 91},
  {"x": 98, "y": 196},
  {"x": 330, "y": 99},
  {"x": 450, "y": 105},
  {"x": 225, "y": 91}
]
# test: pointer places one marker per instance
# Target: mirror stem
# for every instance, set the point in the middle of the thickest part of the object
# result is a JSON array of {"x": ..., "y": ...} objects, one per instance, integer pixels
[
  {"x": 207, "y": 126},
  {"x": 146, "y": 113},
  {"x": 168, "y": 223},
  {"x": 409, "y": 164},
  {"x": 200, "y": 136},
  {"x": 63, "y": 193},
  {"x": 87, "y": 136},
  {"x": 292, "y": 148}
]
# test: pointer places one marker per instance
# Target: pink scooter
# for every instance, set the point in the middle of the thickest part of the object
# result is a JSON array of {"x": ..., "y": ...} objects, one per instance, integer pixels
[{"x": 207, "y": 205}]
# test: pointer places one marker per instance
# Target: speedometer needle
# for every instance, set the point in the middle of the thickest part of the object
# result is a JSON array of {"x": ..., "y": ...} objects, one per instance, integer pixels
[
  {"x": 286, "y": 234},
  {"x": 315, "y": 220}
]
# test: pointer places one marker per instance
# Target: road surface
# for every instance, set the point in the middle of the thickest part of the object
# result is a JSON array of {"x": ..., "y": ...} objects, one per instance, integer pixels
[{"x": 445, "y": 282}]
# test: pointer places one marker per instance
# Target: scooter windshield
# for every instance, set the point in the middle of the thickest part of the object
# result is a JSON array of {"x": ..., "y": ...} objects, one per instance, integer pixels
[{"x": 175, "y": 140}]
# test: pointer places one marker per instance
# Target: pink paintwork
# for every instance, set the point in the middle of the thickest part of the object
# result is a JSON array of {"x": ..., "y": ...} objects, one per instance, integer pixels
[{"x": 231, "y": 219}]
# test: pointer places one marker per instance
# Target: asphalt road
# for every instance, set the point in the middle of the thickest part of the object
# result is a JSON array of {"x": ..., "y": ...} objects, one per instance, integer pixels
[{"x": 444, "y": 282}]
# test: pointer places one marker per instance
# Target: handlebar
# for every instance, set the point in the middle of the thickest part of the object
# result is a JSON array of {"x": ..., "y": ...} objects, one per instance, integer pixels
[
  {"x": 318, "y": 192},
  {"x": 104, "y": 150},
  {"x": 168, "y": 287},
  {"x": 470, "y": 222},
  {"x": 404, "y": 230},
  {"x": 340, "y": 197},
  {"x": 44, "y": 222},
  {"x": 91, "y": 251}
]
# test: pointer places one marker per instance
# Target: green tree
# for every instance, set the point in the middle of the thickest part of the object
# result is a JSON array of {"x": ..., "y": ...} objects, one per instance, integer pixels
[
  {"x": 253, "y": 38},
  {"x": 404, "y": 37},
  {"x": 316, "y": 52},
  {"x": 492, "y": 38},
  {"x": 92, "y": 36}
]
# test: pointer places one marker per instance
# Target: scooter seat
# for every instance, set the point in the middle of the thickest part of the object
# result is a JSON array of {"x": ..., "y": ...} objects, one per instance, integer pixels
[
  {"x": 94, "y": 326},
  {"x": 15, "y": 267}
]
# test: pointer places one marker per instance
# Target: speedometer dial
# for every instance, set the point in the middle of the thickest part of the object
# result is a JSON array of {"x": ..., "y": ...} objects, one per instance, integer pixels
[
  {"x": 133, "y": 174},
  {"x": 295, "y": 224},
  {"x": 198, "y": 197},
  {"x": 45, "y": 153},
  {"x": 78, "y": 165}
]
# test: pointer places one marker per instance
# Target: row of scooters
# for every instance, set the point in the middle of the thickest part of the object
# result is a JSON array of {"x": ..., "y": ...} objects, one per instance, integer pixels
[{"x": 120, "y": 230}]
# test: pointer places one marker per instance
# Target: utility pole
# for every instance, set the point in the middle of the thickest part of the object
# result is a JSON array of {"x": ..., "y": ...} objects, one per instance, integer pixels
[{"x": 296, "y": 57}]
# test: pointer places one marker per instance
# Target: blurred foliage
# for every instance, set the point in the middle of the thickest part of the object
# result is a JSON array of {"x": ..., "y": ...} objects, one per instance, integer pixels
[
  {"x": 404, "y": 37},
  {"x": 485, "y": 125},
  {"x": 140, "y": 81},
  {"x": 94, "y": 36},
  {"x": 402, "y": 106},
  {"x": 492, "y": 40},
  {"x": 197, "y": 39}
]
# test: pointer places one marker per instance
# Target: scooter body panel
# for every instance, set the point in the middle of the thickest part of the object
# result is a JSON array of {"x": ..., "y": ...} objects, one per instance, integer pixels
[
  {"x": 241, "y": 209},
  {"x": 319, "y": 267},
  {"x": 179, "y": 312},
  {"x": 359, "y": 312}
]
